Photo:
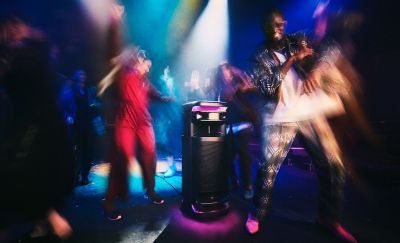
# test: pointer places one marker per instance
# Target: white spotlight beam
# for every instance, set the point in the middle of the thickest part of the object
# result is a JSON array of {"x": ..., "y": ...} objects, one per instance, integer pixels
[{"x": 207, "y": 43}]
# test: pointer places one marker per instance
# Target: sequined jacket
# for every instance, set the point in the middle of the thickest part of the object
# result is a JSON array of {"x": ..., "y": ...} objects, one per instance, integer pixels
[{"x": 266, "y": 69}]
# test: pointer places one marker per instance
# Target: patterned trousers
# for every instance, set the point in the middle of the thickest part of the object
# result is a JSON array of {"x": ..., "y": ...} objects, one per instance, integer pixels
[{"x": 320, "y": 143}]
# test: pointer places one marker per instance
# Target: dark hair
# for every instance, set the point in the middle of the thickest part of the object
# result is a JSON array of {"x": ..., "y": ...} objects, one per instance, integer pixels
[
  {"x": 219, "y": 69},
  {"x": 268, "y": 17},
  {"x": 6, "y": 24},
  {"x": 76, "y": 75},
  {"x": 218, "y": 75},
  {"x": 132, "y": 54}
]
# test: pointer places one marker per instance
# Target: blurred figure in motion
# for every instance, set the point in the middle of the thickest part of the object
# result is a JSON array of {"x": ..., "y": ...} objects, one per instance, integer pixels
[
  {"x": 231, "y": 86},
  {"x": 336, "y": 74},
  {"x": 36, "y": 157},
  {"x": 77, "y": 112},
  {"x": 295, "y": 104},
  {"x": 133, "y": 129},
  {"x": 209, "y": 84},
  {"x": 167, "y": 120},
  {"x": 133, "y": 126},
  {"x": 195, "y": 92}
]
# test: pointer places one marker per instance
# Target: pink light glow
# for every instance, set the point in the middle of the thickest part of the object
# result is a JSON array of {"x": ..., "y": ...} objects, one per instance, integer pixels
[
  {"x": 210, "y": 229},
  {"x": 208, "y": 108}
]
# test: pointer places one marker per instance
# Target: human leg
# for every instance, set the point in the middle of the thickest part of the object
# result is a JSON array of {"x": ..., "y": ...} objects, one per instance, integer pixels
[
  {"x": 124, "y": 142},
  {"x": 84, "y": 156},
  {"x": 324, "y": 150},
  {"x": 243, "y": 140},
  {"x": 320, "y": 143},
  {"x": 146, "y": 143},
  {"x": 277, "y": 140}
]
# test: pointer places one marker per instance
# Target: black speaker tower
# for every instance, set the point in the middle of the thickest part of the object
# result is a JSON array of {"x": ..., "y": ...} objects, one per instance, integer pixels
[{"x": 204, "y": 168}]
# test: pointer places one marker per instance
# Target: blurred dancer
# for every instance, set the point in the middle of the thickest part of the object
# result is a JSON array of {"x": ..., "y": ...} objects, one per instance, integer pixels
[
  {"x": 232, "y": 84},
  {"x": 36, "y": 157},
  {"x": 77, "y": 112},
  {"x": 133, "y": 129},
  {"x": 333, "y": 38},
  {"x": 195, "y": 93},
  {"x": 167, "y": 121}
]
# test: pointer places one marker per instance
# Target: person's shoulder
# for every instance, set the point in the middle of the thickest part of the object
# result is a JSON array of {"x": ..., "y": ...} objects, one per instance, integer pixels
[
  {"x": 330, "y": 46},
  {"x": 330, "y": 41},
  {"x": 294, "y": 37},
  {"x": 262, "y": 47},
  {"x": 261, "y": 50},
  {"x": 129, "y": 71}
]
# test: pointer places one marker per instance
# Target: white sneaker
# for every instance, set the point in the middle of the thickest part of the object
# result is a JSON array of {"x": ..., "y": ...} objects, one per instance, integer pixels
[
  {"x": 170, "y": 160},
  {"x": 252, "y": 224},
  {"x": 170, "y": 172}
]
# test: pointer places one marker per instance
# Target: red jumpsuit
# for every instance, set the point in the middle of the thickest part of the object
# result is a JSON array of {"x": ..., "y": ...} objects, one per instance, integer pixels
[{"x": 133, "y": 129}]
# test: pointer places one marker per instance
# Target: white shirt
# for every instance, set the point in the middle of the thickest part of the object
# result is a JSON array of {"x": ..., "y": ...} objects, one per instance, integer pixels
[{"x": 294, "y": 105}]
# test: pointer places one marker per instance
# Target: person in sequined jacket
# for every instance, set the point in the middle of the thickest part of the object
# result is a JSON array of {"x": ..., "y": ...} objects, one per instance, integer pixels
[{"x": 295, "y": 104}]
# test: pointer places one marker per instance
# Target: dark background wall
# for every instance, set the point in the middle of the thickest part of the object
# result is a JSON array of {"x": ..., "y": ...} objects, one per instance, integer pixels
[{"x": 76, "y": 42}]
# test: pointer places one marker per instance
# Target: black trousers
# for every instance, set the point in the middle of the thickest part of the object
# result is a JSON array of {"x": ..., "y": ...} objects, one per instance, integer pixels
[{"x": 239, "y": 146}]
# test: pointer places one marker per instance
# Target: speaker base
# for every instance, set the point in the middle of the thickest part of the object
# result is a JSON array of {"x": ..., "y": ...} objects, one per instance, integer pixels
[{"x": 205, "y": 210}]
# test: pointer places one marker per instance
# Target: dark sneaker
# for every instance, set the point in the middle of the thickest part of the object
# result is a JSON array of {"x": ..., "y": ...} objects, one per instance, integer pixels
[
  {"x": 85, "y": 181},
  {"x": 170, "y": 172},
  {"x": 154, "y": 198},
  {"x": 248, "y": 194},
  {"x": 113, "y": 215}
]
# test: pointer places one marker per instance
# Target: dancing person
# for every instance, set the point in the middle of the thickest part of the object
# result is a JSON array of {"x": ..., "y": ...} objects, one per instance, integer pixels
[
  {"x": 294, "y": 105},
  {"x": 35, "y": 154},
  {"x": 336, "y": 48},
  {"x": 133, "y": 130},
  {"x": 167, "y": 118},
  {"x": 195, "y": 93},
  {"x": 232, "y": 84},
  {"x": 74, "y": 100}
]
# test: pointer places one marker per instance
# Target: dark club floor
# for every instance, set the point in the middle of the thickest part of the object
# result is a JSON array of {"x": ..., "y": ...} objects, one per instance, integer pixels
[{"x": 370, "y": 211}]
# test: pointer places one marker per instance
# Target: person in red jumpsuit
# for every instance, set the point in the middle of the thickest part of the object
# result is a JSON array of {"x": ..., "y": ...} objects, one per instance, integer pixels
[{"x": 133, "y": 130}]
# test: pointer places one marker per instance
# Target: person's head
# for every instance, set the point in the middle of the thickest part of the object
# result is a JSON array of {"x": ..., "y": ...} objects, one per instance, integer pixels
[
  {"x": 166, "y": 71},
  {"x": 195, "y": 79},
  {"x": 79, "y": 77},
  {"x": 273, "y": 24},
  {"x": 136, "y": 58},
  {"x": 13, "y": 29},
  {"x": 224, "y": 73},
  {"x": 143, "y": 66}
]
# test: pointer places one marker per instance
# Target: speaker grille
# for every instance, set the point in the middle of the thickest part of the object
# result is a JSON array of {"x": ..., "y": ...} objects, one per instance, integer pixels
[{"x": 208, "y": 165}]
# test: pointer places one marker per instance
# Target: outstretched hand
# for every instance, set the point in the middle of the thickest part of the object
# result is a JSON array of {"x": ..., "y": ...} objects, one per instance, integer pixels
[
  {"x": 116, "y": 11},
  {"x": 304, "y": 52},
  {"x": 311, "y": 83}
]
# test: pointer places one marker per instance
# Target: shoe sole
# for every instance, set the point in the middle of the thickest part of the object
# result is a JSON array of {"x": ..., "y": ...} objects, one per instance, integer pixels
[
  {"x": 154, "y": 202},
  {"x": 119, "y": 217},
  {"x": 115, "y": 219}
]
